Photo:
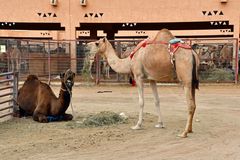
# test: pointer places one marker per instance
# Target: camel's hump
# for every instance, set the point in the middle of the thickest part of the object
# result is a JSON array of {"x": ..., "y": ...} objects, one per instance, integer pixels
[{"x": 32, "y": 77}]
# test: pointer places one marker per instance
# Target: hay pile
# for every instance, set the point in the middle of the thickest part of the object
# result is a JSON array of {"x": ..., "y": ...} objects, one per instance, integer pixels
[{"x": 104, "y": 118}]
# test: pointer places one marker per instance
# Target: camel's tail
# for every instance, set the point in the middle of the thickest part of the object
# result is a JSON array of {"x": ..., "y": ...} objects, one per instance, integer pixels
[{"x": 195, "y": 80}]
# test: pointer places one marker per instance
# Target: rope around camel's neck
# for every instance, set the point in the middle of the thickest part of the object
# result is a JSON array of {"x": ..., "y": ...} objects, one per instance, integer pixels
[{"x": 70, "y": 93}]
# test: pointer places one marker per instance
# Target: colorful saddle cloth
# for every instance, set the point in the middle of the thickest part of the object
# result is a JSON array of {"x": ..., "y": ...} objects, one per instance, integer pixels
[
  {"x": 173, "y": 45},
  {"x": 176, "y": 43}
]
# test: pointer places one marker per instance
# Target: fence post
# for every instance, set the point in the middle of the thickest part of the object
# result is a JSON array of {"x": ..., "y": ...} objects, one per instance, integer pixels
[
  {"x": 49, "y": 64},
  {"x": 98, "y": 69},
  {"x": 236, "y": 62},
  {"x": 15, "y": 91}
]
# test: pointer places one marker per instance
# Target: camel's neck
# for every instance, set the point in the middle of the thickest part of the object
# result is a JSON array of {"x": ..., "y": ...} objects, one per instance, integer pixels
[
  {"x": 64, "y": 98},
  {"x": 117, "y": 64}
]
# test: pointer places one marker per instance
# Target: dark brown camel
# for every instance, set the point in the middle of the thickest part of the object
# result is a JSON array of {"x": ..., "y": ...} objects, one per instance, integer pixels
[{"x": 37, "y": 99}]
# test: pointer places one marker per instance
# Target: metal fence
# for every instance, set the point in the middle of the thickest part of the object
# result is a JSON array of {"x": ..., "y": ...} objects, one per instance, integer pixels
[
  {"x": 8, "y": 94},
  {"x": 46, "y": 59},
  {"x": 218, "y": 59}
]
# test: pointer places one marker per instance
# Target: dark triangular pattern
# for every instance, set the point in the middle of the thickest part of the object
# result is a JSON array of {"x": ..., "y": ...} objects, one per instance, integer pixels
[
  {"x": 221, "y": 13},
  {"x": 91, "y": 14},
  {"x": 86, "y": 15},
  {"x": 215, "y": 12},
  {"x": 44, "y": 15},
  {"x": 54, "y": 15},
  {"x": 96, "y": 15},
  {"x": 210, "y": 13},
  {"x": 49, "y": 14},
  {"x": 101, "y": 14},
  {"x": 204, "y": 12},
  {"x": 39, "y": 14}
]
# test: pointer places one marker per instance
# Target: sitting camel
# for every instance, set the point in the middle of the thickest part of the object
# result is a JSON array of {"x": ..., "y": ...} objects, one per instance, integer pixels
[
  {"x": 37, "y": 99},
  {"x": 152, "y": 60}
]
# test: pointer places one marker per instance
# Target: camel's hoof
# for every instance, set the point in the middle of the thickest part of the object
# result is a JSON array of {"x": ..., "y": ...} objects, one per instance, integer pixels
[
  {"x": 183, "y": 135},
  {"x": 137, "y": 127},
  {"x": 190, "y": 131},
  {"x": 159, "y": 125},
  {"x": 43, "y": 120}
]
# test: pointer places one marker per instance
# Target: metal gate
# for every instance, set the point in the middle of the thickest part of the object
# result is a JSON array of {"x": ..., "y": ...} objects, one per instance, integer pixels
[{"x": 8, "y": 94}]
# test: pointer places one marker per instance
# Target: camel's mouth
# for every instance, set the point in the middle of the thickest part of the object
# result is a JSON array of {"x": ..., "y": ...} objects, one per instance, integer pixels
[
  {"x": 69, "y": 79},
  {"x": 69, "y": 83},
  {"x": 92, "y": 47}
]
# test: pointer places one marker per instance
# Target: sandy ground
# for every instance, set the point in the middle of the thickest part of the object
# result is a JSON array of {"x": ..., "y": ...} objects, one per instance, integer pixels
[{"x": 216, "y": 128}]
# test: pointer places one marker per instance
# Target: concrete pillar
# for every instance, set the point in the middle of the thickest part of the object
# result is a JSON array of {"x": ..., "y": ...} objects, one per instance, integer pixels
[{"x": 93, "y": 34}]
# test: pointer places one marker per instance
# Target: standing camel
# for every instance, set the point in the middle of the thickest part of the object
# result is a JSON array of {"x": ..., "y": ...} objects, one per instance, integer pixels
[
  {"x": 14, "y": 55},
  {"x": 153, "y": 62},
  {"x": 90, "y": 58},
  {"x": 37, "y": 99},
  {"x": 226, "y": 55}
]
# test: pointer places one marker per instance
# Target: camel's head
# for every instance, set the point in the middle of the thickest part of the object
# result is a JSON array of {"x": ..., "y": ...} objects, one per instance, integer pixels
[
  {"x": 98, "y": 47},
  {"x": 68, "y": 78}
]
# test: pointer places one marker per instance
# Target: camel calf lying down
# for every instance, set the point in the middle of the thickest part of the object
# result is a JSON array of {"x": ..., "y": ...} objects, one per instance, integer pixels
[{"x": 37, "y": 99}]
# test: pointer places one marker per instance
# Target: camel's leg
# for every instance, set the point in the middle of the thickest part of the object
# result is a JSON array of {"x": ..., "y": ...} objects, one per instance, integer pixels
[
  {"x": 190, "y": 97},
  {"x": 107, "y": 71},
  {"x": 141, "y": 103},
  {"x": 37, "y": 116},
  {"x": 90, "y": 68},
  {"x": 157, "y": 104}
]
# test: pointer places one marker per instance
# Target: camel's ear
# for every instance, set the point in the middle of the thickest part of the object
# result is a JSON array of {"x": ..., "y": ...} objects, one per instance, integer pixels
[
  {"x": 62, "y": 75},
  {"x": 104, "y": 39}
]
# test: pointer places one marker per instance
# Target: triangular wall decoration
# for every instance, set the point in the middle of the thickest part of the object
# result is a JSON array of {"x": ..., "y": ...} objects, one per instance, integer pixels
[
  {"x": 221, "y": 13},
  {"x": 215, "y": 12},
  {"x": 204, "y": 12},
  {"x": 91, "y": 14}
]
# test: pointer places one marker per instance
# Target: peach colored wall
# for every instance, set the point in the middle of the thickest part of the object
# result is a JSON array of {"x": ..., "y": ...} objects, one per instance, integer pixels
[{"x": 70, "y": 13}]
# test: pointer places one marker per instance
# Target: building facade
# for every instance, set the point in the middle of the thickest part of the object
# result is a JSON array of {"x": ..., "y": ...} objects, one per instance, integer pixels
[{"x": 117, "y": 19}]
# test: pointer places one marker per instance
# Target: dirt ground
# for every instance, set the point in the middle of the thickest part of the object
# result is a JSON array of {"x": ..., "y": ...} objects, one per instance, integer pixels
[{"x": 216, "y": 128}]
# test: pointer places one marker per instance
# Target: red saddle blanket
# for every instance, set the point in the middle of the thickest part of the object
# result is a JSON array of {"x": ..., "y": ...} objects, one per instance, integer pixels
[{"x": 173, "y": 47}]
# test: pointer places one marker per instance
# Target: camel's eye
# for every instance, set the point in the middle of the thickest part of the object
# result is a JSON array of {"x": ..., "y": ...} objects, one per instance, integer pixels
[{"x": 96, "y": 43}]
